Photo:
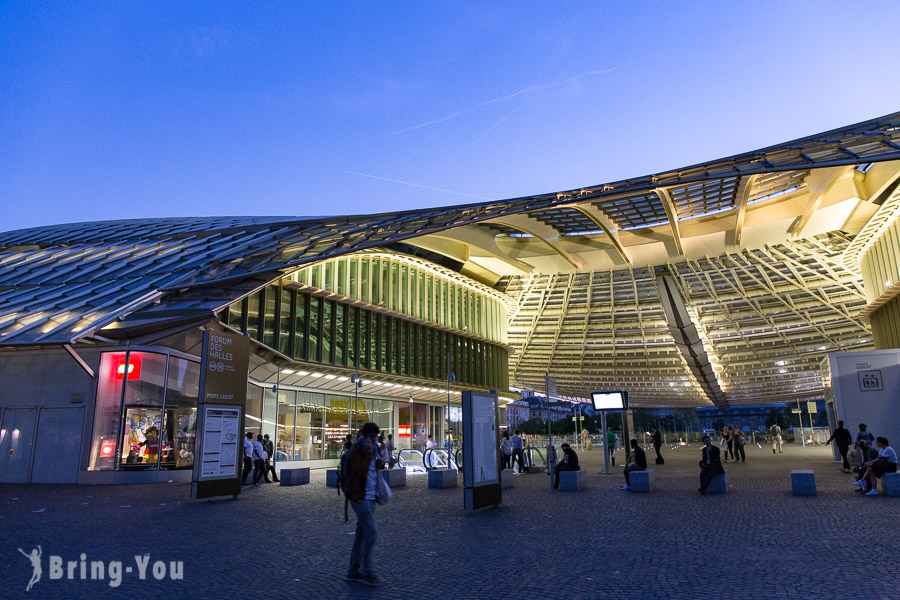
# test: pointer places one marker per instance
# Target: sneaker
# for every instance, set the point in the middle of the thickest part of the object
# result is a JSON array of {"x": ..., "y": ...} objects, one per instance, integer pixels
[
  {"x": 256, "y": 485},
  {"x": 624, "y": 487},
  {"x": 872, "y": 492},
  {"x": 370, "y": 579},
  {"x": 353, "y": 575},
  {"x": 859, "y": 483}
]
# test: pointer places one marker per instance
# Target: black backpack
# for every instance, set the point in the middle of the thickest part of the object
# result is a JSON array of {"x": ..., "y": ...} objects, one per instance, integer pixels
[{"x": 343, "y": 481}]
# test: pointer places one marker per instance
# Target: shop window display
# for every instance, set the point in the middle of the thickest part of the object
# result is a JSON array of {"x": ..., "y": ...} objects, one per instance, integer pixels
[
  {"x": 179, "y": 431},
  {"x": 106, "y": 411},
  {"x": 140, "y": 446}
]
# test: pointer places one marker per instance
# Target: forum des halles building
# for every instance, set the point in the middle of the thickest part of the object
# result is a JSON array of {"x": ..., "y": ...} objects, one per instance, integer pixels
[{"x": 720, "y": 284}]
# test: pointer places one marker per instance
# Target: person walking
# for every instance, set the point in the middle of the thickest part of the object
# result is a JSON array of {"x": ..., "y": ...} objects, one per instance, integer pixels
[
  {"x": 517, "y": 451},
  {"x": 248, "y": 456},
  {"x": 506, "y": 450},
  {"x": 777, "y": 440},
  {"x": 611, "y": 443},
  {"x": 737, "y": 436},
  {"x": 569, "y": 462},
  {"x": 728, "y": 442},
  {"x": 390, "y": 451},
  {"x": 269, "y": 447},
  {"x": 710, "y": 464},
  {"x": 640, "y": 462},
  {"x": 259, "y": 461},
  {"x": 657, "y": 443},
  {"x": 363, "y": 466},
  {"x": 842, "y": 440}
]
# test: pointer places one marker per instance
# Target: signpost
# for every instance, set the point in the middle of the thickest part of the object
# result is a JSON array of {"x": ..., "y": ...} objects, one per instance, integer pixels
[
  {"x": 224, "y": 366},
  {"x": 480, "y": 443}
]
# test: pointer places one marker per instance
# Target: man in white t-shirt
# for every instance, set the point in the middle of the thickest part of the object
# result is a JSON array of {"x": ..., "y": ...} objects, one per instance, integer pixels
[
  {"x": 248, "y": 456},
  {"x": 259, "y": 461}
]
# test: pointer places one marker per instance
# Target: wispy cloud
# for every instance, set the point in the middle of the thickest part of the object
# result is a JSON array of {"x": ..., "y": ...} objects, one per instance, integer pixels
[
  {"x": 524, "y": 91},
  {"x": 418, "y": 185}
]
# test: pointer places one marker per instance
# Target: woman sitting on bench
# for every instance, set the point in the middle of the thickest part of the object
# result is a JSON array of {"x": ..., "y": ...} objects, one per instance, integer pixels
[{"x": 875, "y": 469}]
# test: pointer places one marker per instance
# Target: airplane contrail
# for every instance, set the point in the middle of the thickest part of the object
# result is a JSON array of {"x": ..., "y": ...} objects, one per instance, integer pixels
[{"x": 419, "y": 185}]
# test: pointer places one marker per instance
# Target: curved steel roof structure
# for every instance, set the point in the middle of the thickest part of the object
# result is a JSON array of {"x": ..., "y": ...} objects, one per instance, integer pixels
[{"x": 720, "y": 283}]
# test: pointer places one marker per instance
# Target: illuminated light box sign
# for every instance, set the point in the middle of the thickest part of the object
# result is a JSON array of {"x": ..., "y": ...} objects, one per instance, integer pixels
[
  {"x": 133, "y": 368},
  {"x": 617, "y": 400},
  {"x": 403, "y": 431}
]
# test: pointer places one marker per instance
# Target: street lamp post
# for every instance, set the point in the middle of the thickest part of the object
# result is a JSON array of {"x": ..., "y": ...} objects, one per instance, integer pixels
[{"x": 357, "y": 383}]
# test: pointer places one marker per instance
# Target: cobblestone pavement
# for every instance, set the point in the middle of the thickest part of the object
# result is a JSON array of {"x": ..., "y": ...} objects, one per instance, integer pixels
[{"x": 758, "y": 541}]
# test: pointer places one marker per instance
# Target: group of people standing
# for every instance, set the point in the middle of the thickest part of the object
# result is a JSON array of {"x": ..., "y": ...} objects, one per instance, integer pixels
[
  {"x": 868, "y": 458},
  {"x": 258, "y": 457},
  {"x": 733, "y": 440},
  {"x": 512, "y": 451}
]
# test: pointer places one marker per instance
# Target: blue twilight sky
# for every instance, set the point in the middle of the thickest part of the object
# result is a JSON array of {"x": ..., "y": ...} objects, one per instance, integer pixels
[{"x": 112, "y": 110}]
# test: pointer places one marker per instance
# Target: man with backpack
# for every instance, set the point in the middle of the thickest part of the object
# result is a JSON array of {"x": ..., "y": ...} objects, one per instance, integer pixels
[{"x": 359, "y": 475}]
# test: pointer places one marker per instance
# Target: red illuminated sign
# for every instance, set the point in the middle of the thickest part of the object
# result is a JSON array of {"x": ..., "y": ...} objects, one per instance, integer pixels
[
  {"x": 107, "y": 448},
  {"x": 403, "y": 431},
  {"x": 134, "y": 369}
]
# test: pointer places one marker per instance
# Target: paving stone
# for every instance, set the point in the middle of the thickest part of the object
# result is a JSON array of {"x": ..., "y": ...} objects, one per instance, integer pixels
[{"x": 293, "y": 541}]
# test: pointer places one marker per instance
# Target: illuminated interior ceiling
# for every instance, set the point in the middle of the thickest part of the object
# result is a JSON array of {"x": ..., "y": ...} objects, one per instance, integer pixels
[{"x": 748, "y": 249}]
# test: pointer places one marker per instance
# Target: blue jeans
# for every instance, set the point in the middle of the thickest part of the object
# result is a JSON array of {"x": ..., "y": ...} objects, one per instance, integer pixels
[{"x": 366, "y": 534}]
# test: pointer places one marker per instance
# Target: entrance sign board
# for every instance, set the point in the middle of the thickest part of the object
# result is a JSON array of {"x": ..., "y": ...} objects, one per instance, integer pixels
[
  {"x": 224, "y": 366},
  {"x": 481, "y": 449}
]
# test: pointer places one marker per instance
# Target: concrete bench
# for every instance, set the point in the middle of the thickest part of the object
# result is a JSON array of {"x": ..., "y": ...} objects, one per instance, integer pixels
[
  {"x": 572, "y": 481},
  {"x": 394, "y": 477},
  {"x": 803, "y": 483},
  {"x": 442, "y": 478},
  {"x": 889, "y": 485},
  {"x": 506, "y": 478},
  {"x": 296, "y": 476},
  {"x": 331, "y": 477},
  {"x": 641, "y": 481},
  {"x": 718, "y": 485}
]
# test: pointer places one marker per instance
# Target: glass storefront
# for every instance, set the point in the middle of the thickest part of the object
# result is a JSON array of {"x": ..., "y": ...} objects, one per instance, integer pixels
[{"x": 145, "y": 415}]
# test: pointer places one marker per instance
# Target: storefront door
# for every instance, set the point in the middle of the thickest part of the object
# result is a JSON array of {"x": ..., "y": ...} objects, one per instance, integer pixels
[
  {"x": 58, "y": 445},
  {"x": 16, "y": 442}
]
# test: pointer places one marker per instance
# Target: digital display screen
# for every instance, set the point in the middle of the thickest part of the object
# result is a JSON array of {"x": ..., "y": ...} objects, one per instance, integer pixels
[{"x": 609, "y": 400}]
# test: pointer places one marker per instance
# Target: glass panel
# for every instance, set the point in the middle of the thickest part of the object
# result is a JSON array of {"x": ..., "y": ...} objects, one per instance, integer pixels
[
  {"x": 253, "y": 316},
  {"x": 404, "y": 425},
  {"x": 403, "y": 347},
  {"x": 337, "y": 426},
  {"x": 385, "y": 283},
  {"x": 316, "y": 277},
  {"x": 269, "y": 320},
  {"x": 342, "y": 277},
  {"x": 429, "y": 299},
  {"x": 395, "y": 287},
  {"x": 421, "y": 369},
  {"x": 421, "y": 287},
  {"x": 395, "y": 347},
  {"x": 376, "y": 282},
  {"x": 340, "y": 319},
  {"x": 141, "y": 440},
  {"x": 414, "y": 295},
  {"x": 352, "y": 317},
  {"x": 180, "y": 421},
  {"x": 327, "y": 331},
  {"x": 444, "y": 308},
  {"x": 300, "y": 327},
  {"x": 253, "y": 411},
  {"x": 235, "y": 316},
  {"x": 354, "y": 279},
  {"x": 285, "y": 435},
  {"x": 380, "y": 412},
  {"x": 314, "y": 328},
  {"x": 309, "y": 435},
  {"x": 328, "y": 279},
  {"x": 383, "y": 329},
  {"x": 364, "y": 340},
  {"x": 110, "y": 379},
  {"x": 402, "y": 301},
  {"x": 364, "y": 280},
  {"x": 426, "y": 352},
  {"x": 284, "y": 323}
]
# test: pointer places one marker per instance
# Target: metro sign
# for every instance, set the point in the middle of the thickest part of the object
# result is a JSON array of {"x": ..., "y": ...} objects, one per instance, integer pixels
[{"x": 403, "y": 431}]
